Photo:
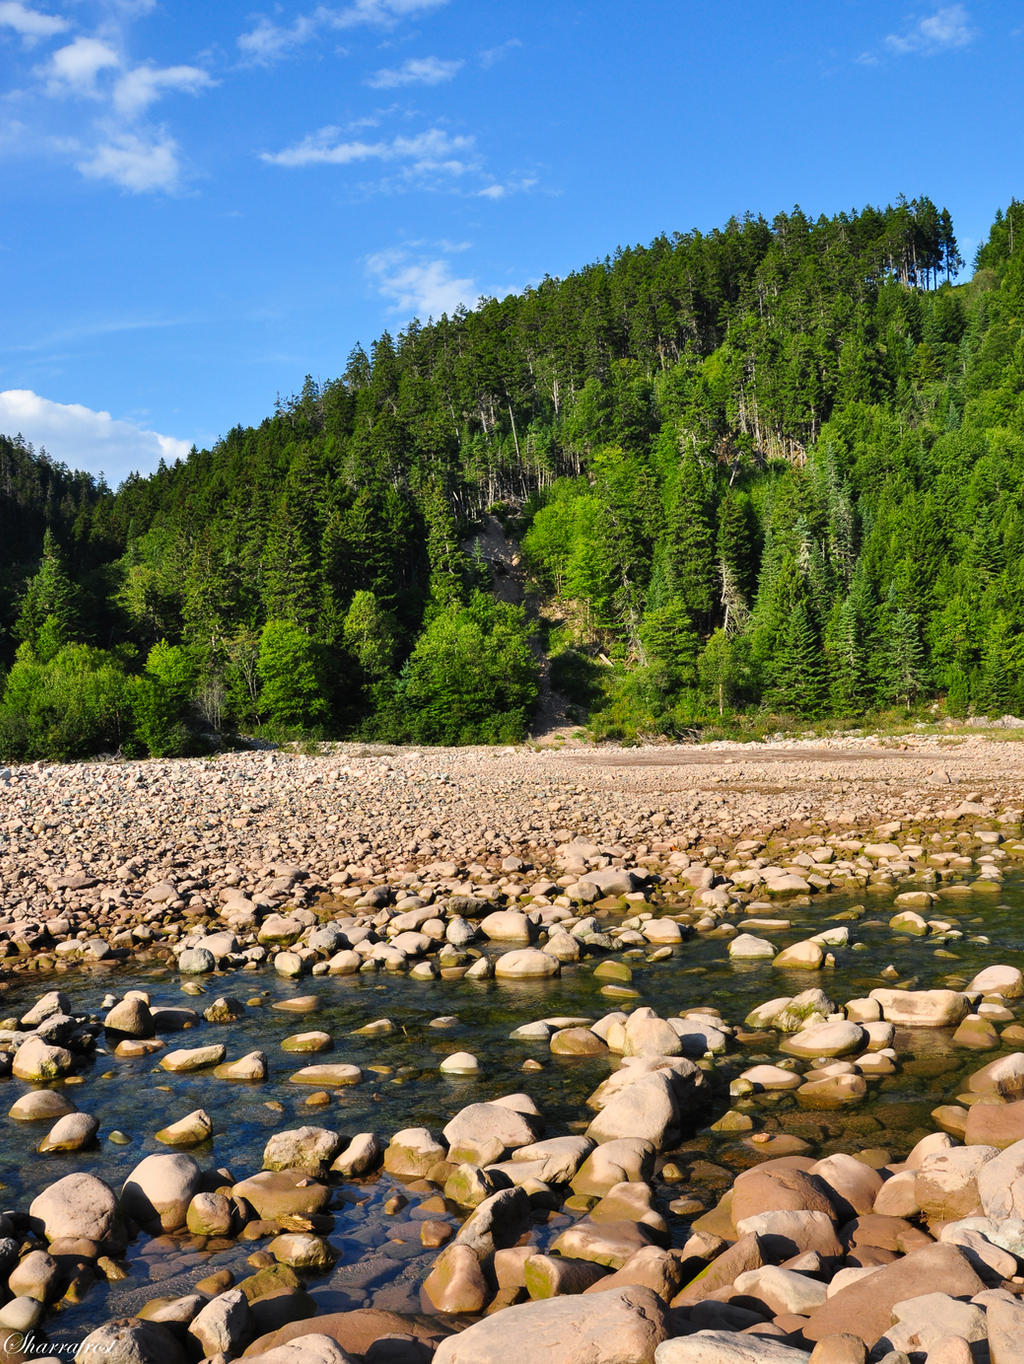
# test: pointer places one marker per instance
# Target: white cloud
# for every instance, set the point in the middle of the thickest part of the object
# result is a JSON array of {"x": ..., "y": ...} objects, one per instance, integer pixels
[
  {"x": 415, "y": 71},
  {"x": 947, "y": 29},
  {"x": 135, "y": 163},
  {"x": 83, "y": 439},
  {"x": 417, "y": 286},
  {"x": 73, "y": 69},
  {"x": 500, "y": 191},
  {"x": 431, "y": 151},
  {"x": 490, "y": 55},
  {"x": 269, "y": 42},
  {"x": 137, "y": 89},
  {"x": 30, "y": 24}
]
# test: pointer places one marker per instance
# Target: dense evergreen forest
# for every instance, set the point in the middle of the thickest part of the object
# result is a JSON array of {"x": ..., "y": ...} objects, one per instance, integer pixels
[{"x": 769, "y": 474}]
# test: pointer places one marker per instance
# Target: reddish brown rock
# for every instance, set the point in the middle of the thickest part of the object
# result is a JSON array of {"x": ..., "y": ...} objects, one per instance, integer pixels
[{"x": 865, "y": 1308}]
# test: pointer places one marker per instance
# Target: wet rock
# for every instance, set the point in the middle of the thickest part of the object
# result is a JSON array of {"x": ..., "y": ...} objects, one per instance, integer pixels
[
  {"x": 604, "y": 1243},
  {"x": 40, "y": 1105},
  {"x": 840, "y": 1038},
  {"x": 922, "y": 1008},
  {"x": 460, "y": 1063},
  {"x": 308, "y": 1042},
  {"x": 995, "y": 1124},
  {"x": 331, "y": 1075},
  {"x": 73, "y": 1132},
  {"x": 252, "y": 1068},
  {"x": 801, "y": 956},
  {"x": 624, "y": 1326},
  {"x": 187, "y": 1059},
  {"x": 526, "y": 963},
  {"x": 192, "y": 1130},
  {"x": 748, "y": 947}
]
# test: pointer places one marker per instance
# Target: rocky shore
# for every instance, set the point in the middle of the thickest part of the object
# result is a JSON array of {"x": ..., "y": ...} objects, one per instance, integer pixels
[{"x": 573, "y": 1243}]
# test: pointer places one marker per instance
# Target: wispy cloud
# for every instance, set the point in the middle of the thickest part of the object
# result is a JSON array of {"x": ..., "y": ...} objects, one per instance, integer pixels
[
  {"x": 501, "y": 190},
  {"x": 83, "y": 438},
  {"x": 140, "y": 164},
  {"x": 141, "y": 86},
  {"x": 432, "y": 151},
  {"x": 490, "y": 55},
  {"x": 415, "y": 71},
  {"x": 417, "y": 286},
  {"x": 31, "y": 25},
  {"x": 269, "y": 41},
  {"x": 946, "y": 30}
]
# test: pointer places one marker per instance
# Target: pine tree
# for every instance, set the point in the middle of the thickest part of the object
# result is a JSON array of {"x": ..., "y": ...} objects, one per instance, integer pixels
[
  {"x": 802, "y": 681},
  {"x": 49, "y": 614}
]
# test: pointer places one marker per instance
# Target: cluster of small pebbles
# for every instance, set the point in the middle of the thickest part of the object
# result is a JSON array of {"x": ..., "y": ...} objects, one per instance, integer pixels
[{"x": 482, "y": 866}]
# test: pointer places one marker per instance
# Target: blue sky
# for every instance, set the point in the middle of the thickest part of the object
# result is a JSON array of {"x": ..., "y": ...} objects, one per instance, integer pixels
[{"x": 202, "y": 204}]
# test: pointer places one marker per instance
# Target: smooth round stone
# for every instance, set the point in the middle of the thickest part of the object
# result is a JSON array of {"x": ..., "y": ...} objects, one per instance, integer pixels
[
  {"x": 252, "y": 1067},
  {"x": 193, "y": 1058},
  {"x": 801, "y": 956},
  {"x": 299, "y": 1004},
  {"x": 73, "y": 1132},
  {"x": 748, "y": 947},
  {"x": 460, "y": 1063},
  {"x": 841, "y": 1038},
  {"x": 308, "y": 1041},
  {"x": 130, "y": 1047},
  {"x": 526, "y": 963},
  {"x": 191, "y": 1130},
  {"x": 41, "y": 1105},
  {"x": 1006, "y": 981},
  {"x": 327, "y": 1075}
]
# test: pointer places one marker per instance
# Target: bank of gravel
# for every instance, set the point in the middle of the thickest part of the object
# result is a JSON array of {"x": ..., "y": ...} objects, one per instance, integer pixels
[{"x": 519, "y": 864}]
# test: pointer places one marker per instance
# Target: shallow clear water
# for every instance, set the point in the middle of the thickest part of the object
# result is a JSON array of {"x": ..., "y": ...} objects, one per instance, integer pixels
[{"x": 138, "y": 1098}]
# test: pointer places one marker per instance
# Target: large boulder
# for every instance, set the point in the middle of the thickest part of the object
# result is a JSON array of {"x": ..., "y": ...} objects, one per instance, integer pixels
[
  {"x": 526, "y": 963},
  {"x": 282, "y": 1193},
  {"x": 1001, "y": 1183},
  {"x": 922, "y": 1008},
  {"x": 483, "y": 1133},
  {"x": 411, "y": 1153},
  {"x": 37, "y": 1061},
  {"x": 624, "y": 1326},
  {"x": 130, "y": 1341},
  {"x": 727, "y": 1347},
  {"x": 864, "y": 1308},
  {"x": 158, "y": 1191},
  {"x": 302, "y": 1148},
  {"x": 498, "y": 1222},
  {"x": 79, "y": 1207},
  {"x": 308, "y": 1349}
]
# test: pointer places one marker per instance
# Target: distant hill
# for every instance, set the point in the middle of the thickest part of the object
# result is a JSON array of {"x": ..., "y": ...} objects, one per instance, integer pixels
[{"x": 766, "y": 474}]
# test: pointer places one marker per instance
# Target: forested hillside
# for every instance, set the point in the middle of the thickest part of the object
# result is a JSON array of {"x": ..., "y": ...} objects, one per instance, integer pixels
[{"x": 767, "y": 474}]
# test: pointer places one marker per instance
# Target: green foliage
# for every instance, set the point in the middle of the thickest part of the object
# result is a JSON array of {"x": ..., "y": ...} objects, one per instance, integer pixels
[
  {"x": 778, "y": 466},
  {"x": 291, "y": 674},
  {"x": 471, "y": 677},
  {"x": 72, "y": 705},
  {"x": 161, "y": 698}
]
